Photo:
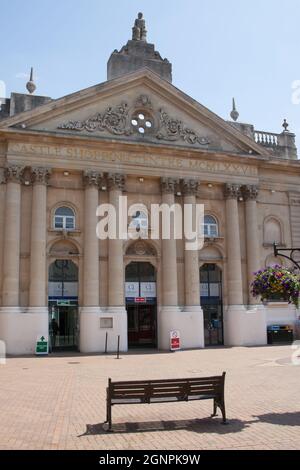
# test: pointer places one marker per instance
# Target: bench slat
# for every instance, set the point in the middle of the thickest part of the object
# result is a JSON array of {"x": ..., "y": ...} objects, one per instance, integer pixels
[
  {"x": 174, "y": 390},
  {"x": 175, "y": 381}
]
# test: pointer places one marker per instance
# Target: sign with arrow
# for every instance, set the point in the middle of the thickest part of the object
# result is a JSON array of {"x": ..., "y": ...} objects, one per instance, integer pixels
[{"x": 42, "y": 346}]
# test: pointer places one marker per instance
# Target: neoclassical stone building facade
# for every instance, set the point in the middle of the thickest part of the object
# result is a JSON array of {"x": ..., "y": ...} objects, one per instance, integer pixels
[{"x": 138, "y": 135}]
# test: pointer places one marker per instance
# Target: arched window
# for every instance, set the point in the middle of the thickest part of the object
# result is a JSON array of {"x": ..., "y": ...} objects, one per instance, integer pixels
[
  {"x": 210, "y": 226},
  {"x": 64, "y": 219}
]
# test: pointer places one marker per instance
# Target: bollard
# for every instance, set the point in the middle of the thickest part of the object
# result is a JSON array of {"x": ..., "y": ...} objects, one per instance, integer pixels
[
  {"x": 118, "y": 353},
  {"x": 106, "y": 338}
]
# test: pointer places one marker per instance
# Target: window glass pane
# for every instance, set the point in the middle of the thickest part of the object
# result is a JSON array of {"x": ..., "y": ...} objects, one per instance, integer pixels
[
  {"x": 213, "y": 230},
  {"x": 132, "y": 274},
  {"x": 140, "y": 220},
  {"x": 64, "y": 211},
  {"x": 209, "y": 219},
  {"x": 63, "y": 270},
  {"x": 59, "y": 223},
  {"x": 147, "y": 272},
  {"x": 203, "y": 276},
  {"x": 69, "y": 222}
]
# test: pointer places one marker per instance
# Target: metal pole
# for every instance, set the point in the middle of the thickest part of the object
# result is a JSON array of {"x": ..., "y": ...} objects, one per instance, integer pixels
[
  {"x": 106, "y": 337},
  {"x": 118, "y": 352}
]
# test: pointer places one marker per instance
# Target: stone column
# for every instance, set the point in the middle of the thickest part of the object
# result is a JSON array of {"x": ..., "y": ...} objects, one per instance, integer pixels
[
  {"x": 238, "y": 325},
  {"x": 2, "y": 223},
  {"x": 191, "y": 258},
  {"x": 234, "y": 266},
  {"x": 92, "y": 331},
  {"x": 11, "y": 254},
  {"x": 189, "y": 319},
  {"x": 116, "y": 296},
  {"x": 169, "y": 252},
  {"x": 38, "y": 273},
  {"x": 91, "y": 242},
  {"x": 253, "y": 248}
]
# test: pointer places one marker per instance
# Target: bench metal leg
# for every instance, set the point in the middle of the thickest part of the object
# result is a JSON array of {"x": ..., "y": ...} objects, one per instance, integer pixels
[
  {"x": 215, "y": 410},
  {"x": 223, "y": 411},
  {"x": 108, "y": 416},
  {"x": 220, "y": 405}
]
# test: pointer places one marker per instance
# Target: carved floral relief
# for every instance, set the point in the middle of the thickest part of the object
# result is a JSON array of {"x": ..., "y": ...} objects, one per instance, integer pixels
[
  {"x": 114, "y": 120},
  {"x": 118, "y": 121},
  {"x": 172, "y": 129}
]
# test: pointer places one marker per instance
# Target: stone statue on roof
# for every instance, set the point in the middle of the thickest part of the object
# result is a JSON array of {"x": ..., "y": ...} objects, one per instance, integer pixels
[{"x": 139, "y": 32}]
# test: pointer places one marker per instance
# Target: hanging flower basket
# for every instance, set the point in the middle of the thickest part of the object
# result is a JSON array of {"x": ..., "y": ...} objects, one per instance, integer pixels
[{"x": 276, "y": 283}]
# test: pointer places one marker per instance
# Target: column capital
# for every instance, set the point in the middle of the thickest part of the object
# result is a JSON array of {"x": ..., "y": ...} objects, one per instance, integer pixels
[
  {"x": 250, "y": 192},
  {"x": 168, "y": 185},
  {"x": 232, "y": 191},
  {"x": 14, "y": 173},
  {"x": 40, "y": 175},
  {"x": 92, "y": 178},
  {"x": 116, "y": 181},
  {"x": 190, "y": 187}
]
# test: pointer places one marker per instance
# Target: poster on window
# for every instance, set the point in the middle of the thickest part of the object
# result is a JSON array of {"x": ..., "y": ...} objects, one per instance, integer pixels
[
  {"x": 214, "y": 290},
  {"x": 132, "y": 289},
  {"x": 204, "y": 290},
  {"x": 148, "y": 289},
  {"x": 58, "y": 290}
]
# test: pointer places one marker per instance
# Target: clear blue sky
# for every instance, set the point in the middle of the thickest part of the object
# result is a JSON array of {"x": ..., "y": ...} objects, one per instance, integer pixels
[{"x": 219, "y": 49}]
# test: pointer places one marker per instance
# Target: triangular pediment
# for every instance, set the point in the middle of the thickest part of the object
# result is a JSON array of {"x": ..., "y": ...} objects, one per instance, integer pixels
[{"x": 140, "y": 108}]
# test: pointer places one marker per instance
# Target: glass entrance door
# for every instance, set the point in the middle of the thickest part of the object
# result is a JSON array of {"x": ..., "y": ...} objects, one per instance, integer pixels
[
  {"x": 63, "y": 327},
  {"x": 63, "y": 305},
  {"x": 141, "y": 325},
  {"x": 213, "y": 325},
  {"x": 212, "y": 304},
  {"x": 140, "y": 288}
]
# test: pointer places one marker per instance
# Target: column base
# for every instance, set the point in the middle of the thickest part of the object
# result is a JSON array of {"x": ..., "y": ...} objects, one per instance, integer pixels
[
  {"x": 95, "y": 322},
  {"x": 20, "y": 327},
  {"x": 244, "y": 327},
  {"x": 188, "y": 321}
]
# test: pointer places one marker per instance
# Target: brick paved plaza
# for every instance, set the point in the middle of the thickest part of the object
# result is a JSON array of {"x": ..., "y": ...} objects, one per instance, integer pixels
[{"x": 58, "y": 402}]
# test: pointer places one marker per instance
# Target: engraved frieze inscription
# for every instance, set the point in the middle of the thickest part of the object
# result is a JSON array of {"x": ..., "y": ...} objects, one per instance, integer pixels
[{"x": 79, "y": 154}]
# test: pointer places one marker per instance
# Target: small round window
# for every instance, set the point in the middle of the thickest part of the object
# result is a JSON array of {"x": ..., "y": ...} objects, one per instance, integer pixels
[{"x": 142, "y": 122}]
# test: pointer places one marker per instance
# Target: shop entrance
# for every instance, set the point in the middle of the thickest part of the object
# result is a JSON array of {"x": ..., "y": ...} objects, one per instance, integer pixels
[
  {"x": 212, "y": 304},
  {"x": 63, "y": 305},
  {"x": 141, "y": 305}
]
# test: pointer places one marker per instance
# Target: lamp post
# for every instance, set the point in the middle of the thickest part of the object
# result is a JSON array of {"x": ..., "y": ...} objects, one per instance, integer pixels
[{"x": 291, "y": 251}]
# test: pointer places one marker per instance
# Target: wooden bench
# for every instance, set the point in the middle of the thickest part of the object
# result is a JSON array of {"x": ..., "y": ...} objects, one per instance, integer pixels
[{"x": 166, "y": 391}]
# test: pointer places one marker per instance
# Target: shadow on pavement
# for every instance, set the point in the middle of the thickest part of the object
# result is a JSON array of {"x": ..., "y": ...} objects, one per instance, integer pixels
[
  {"x": 279, "y": 419},
  {"x": 197, "y": 425},
  {"x": 200, "y": 426}
]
